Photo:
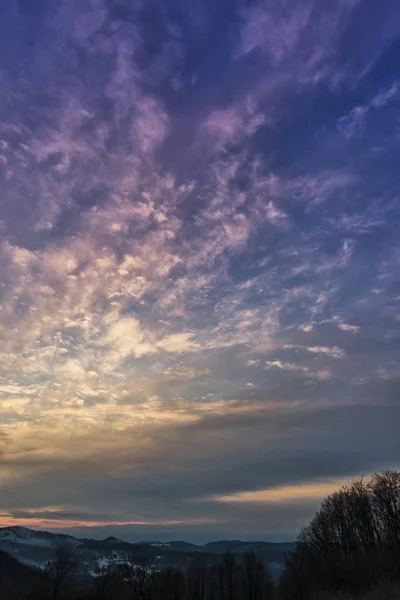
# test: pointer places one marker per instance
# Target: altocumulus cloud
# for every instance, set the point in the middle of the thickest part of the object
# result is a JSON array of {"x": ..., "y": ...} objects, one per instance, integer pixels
[{"x": 197, "y": 204}]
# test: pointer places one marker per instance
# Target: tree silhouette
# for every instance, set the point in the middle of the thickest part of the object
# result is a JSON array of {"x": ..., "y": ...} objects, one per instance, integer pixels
[
  {"x": 60, "y": 571},
  {"x": 353, "y": 542}
]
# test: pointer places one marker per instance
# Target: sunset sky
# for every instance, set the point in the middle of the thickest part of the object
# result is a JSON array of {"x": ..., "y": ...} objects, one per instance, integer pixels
[{"x": 199, "y": 262}]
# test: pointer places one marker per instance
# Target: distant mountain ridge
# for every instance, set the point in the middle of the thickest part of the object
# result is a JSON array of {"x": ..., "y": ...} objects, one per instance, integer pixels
[
  {"x": 36, "y": 548},
  {"x": 25, "y": 535}
]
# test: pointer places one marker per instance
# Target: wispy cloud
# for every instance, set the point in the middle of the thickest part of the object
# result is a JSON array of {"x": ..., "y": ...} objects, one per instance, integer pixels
[
  {"x": 333, "y": 352},
  {"x": 189, "y": 252},
  {"x": 353, "y": 124}
]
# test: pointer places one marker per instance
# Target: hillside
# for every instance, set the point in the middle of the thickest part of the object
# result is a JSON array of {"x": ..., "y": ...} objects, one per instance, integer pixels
[
  {"x": 35, "y": 548},
  {"x": 12, "y": 569}
]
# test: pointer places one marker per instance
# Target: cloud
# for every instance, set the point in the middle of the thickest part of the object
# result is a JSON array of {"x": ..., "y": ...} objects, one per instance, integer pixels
[
  {"x": 385, "y": 96},
  {"x": 353, "y": 124},
  {"x": 233, "y": 124},
  {"x": 178, "y": 342},
  {"x": 275, "y": 215},
  {"x": 306, "y": 491},
  {"x": 333, "y": 352},
  {"x": 125, "y": 337},
  {"x": 283, "y": 35},
  {"x": 323, "y": 375},
  {"x": 347, "y": 327},
  {"x": 319, "y": 375},
  {"x": 168, "y": 225},
  {"x": 285, "y": 366}
]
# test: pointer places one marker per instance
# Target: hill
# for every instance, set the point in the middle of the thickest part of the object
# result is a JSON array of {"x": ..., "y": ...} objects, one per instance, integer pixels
[{"x": 35, "y": 548}]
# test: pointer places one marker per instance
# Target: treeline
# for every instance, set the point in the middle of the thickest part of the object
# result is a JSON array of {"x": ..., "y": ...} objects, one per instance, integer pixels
[
  {"x": 247, "y": 579},
  {"x": 352, "y": 545}
]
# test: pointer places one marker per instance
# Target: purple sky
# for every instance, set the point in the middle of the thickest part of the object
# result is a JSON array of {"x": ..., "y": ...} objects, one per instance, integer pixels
[{"x": 199, "y": 258}]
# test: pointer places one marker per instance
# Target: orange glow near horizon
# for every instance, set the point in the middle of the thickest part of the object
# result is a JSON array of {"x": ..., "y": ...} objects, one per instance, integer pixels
[
  {"x": 306, "y": 491},
  {"x": 7, "y": 520}
]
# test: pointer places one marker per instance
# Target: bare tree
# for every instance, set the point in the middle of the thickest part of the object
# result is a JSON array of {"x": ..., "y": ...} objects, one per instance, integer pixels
[
  {"x": 196, "y": 579},
  {"x": 256, "y": 580},
  {"x": 140, "y": 579},
  {"x": 61, "y": 570},
  {"x": 169, "y": 584},
  {"x": 353, "y": 542}
]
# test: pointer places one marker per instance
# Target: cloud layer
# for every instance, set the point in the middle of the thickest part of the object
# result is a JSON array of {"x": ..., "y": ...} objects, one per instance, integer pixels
[{"x": 199, "y": 301}]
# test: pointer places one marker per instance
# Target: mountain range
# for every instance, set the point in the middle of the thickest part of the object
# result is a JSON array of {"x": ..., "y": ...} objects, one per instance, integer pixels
[{"x": 36, "y": 548}]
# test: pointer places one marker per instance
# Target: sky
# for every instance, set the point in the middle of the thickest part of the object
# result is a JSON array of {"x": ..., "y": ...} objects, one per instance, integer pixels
[{"x": 199, "y": 262}]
